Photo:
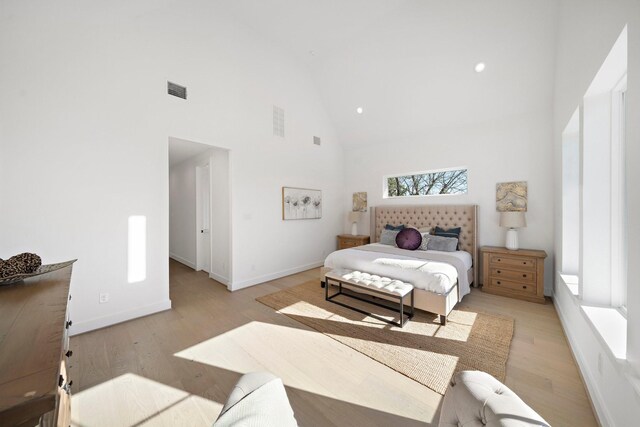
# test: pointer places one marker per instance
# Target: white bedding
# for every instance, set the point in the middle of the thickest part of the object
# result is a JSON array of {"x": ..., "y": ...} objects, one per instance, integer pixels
[{"x": 433, "y": 271}]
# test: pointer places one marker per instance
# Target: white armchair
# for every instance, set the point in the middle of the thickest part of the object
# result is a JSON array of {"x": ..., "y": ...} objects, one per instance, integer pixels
[{"x": 476, "y": 399}]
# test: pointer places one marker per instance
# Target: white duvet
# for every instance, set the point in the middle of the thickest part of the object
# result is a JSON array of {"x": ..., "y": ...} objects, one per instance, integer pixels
[{"x": 433, "y": 271}]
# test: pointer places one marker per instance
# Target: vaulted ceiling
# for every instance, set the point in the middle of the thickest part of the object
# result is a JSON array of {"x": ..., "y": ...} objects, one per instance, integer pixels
[{"x": 410, "y": 63}]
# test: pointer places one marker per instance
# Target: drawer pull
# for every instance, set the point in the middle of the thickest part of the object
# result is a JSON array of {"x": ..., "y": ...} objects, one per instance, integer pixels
[
  {"x": 524, "y": 262},
  {"x": 524, "y": 275},
  {"x": 69, "y": 353},
  {"x": 499, "y": 260},
  {"x": 498, "y": 282},
  {"x": 524, "y": 287},
  {"x": 69, "y": 323},
  {"x": 499, "y": 272}
]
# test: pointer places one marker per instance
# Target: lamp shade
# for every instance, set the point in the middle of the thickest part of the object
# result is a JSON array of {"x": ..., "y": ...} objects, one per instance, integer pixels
[
  {"x": 512, "y": 219},
  {"x": 354, "y": 216}
]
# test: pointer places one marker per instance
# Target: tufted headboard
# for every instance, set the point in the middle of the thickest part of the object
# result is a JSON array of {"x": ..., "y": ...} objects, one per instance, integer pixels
[{"x": 422, "y": 216}]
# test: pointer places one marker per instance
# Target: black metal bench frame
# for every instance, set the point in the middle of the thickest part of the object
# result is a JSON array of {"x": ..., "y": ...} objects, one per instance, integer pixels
[{"x": 399, "y": 309}]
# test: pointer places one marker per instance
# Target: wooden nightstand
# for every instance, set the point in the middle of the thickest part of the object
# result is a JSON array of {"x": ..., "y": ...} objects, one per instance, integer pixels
[
  {"x": 350, "y": 241},
  {"x": 517, "y": 274}
]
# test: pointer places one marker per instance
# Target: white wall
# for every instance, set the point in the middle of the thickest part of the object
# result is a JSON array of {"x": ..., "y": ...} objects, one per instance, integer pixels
[
  {"x": 514, "y": 149},
  {"x": 221, "y": 244},
  {"x": 182, "y": 212},
  {"x": 85, "y": 111},
  {"x": 588, "y": 30}
]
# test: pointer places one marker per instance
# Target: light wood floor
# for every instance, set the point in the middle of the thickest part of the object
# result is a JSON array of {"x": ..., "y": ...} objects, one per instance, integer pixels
[{"x": 177, "y": 367}]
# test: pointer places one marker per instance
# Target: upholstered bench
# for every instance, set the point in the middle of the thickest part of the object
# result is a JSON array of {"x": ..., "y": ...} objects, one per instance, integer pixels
[
  {"x": 476, "y": 399},
  {"x": 395, "y": 289}
]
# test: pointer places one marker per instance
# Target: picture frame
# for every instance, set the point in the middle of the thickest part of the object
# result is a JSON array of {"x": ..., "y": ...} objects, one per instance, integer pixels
[
  {"x": 360, "y": 201},
  {"x": 511, "y": 196},
  {"x": 301, "y": 203}
]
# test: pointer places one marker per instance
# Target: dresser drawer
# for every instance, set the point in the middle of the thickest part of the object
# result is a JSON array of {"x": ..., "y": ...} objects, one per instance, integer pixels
[
  {"x": 513, "y": 262},
  {"x": 61, "y": 415},
  {"x": 513, "y": 275},
  {"x": 513, "y": 286}
]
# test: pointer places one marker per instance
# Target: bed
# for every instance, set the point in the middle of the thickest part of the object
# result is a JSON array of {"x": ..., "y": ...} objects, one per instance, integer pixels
[{"x": 441, "y": 279}]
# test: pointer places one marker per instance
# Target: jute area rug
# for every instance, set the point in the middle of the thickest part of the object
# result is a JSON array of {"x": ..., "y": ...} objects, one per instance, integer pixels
[{"x": 423, "y": 350}]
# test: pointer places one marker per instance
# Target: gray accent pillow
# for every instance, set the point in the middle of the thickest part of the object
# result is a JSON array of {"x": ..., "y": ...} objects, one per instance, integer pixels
[
  {"x": 425, "y": 241},
  {"x": 440, "y": 243},
  {"x": 388, "y": 237}
]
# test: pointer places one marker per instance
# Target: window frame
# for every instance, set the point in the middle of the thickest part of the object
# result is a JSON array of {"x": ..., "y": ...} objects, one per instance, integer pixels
[
  {"x": 385, "y": 183},
  {"x": 619, "y": 280}
]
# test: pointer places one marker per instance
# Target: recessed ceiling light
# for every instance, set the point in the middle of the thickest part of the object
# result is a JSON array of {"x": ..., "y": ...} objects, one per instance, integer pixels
[
  {"x": 480, "y": 66},
  {"x": 359, "y": 110}
]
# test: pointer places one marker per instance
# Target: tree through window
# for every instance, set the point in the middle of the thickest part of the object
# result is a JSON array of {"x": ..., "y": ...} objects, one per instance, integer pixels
[{"x": 452, "y": 181}]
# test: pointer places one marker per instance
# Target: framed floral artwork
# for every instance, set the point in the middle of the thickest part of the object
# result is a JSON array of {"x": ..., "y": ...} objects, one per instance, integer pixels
[{"x": 301, "y": 203}]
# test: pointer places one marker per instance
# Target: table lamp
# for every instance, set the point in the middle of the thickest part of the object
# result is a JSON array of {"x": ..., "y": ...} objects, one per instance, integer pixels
[
  {"x": 512, "y": 221},
  {"x": 354, "y": 217}
]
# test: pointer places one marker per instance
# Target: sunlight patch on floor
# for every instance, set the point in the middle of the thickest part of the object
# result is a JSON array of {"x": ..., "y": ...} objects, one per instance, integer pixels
[
  {"x": 284, "y": 351},
  {"x": 458, "y": 329},
  {"x": 459, "y": 326},
  {"x": 141, "y": 402}
]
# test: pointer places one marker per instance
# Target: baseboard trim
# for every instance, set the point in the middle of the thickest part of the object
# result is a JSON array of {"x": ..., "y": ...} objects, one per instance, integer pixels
[
  {"x": 600, "y": 410},
  {"x": 219, "y": 278},
  {"x": 182, "y": 260},
  {"x": 273, "y": 276},
  {"x": 123, "y": 316}
]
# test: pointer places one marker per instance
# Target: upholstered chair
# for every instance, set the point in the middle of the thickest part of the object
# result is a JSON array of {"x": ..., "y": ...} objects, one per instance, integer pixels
[{"x": 476, "y": 399}]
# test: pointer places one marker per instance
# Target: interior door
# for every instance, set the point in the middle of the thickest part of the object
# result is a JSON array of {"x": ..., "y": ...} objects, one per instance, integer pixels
[{"x": 204, "y": 218}]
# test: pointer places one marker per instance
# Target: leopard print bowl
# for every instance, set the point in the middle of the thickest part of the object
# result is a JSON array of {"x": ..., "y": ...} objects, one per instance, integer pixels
[{"x": 43, "y": 269}]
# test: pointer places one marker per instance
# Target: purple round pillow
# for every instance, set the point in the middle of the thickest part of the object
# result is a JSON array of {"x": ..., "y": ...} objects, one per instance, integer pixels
[{"x": 409, "y": 238}]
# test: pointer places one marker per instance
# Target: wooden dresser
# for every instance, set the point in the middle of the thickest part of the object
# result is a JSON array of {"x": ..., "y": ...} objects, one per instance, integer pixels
[
  {"x": 516, "y": 274},
  {"x": 34, "y": 347},
  {"x": 346, "y": 241}
]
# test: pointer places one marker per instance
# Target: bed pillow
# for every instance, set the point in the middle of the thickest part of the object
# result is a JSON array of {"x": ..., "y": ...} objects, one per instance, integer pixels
[
  {"x": 452, "y": 232},
  {"x": 388, "y": 237},
  {"x": 409, "y": 239},
  {"x": 425, "y": 241},
  {"x": 441, "y": 243},
  {"x": 394, "y": 227}
]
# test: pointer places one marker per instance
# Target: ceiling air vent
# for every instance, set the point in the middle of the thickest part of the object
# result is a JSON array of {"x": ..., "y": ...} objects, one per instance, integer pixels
[
  {"x": 176, "y": 90},
  {"x": 316, "y": 140},
  {"x": 278, "y": 121}
]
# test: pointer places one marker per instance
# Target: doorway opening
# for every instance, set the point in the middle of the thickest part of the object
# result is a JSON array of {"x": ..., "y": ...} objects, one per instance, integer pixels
[{"x": 199, "y": 208}]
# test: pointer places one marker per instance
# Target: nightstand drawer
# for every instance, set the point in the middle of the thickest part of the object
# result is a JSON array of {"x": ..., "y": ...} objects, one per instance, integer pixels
[
  {"x": 349, "y": 244},
  {"x": 346, "y": 241},
  {"x": 506, "y": 261},
  {"x": 520, "y": 276},
  {"x": 513, "y": 286}
]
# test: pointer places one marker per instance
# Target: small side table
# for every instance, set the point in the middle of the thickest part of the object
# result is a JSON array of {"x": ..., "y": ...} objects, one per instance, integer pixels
[
  {"x": 346, "y": 241},
  {"x": 516, "y": 274}
]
